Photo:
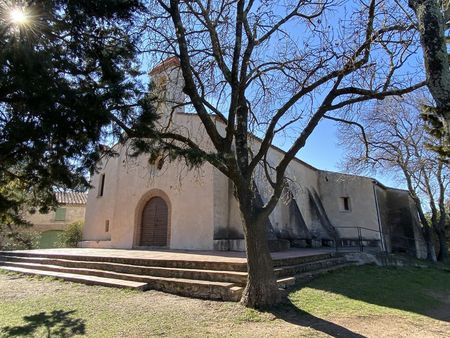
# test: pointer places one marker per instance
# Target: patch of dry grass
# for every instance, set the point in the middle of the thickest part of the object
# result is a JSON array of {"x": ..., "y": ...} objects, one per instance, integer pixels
[{"x": 37, "y": 307}]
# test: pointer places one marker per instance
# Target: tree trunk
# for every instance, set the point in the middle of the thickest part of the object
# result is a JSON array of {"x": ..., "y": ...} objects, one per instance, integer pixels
[
  {"x": 431, "y": 253},
  {"x": 431, "y": 26},
  {"x": 261, "y": 291},
  {"x": 443, "y": 246},
  {"x": 426, "y": 228}
]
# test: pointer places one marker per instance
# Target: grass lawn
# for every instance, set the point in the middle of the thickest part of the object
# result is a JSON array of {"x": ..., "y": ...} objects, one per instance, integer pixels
[{"x": 355, "y": 302}]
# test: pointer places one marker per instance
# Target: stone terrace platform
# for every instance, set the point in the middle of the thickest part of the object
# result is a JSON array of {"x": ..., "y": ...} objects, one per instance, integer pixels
[
  {"x": 162, "y": 254},
  {"x": 204, "y": 274}
]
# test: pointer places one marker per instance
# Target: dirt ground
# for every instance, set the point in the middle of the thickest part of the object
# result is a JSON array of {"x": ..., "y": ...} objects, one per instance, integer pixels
[{"x": 41, "y": 307}]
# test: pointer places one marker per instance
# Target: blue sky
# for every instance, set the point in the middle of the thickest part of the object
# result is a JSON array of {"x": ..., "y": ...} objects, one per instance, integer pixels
[
  {"x": 321, "y": 149},
  {"x": 323, "y": 152}
]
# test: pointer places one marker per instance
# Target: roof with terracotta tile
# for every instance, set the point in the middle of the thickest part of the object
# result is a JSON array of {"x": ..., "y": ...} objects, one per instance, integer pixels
[
  {"x": 167, "y": 63},
  {"x": 71, "y": 197}
]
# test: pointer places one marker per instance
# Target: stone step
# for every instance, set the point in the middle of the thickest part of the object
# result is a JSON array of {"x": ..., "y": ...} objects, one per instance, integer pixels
[
  {"x": 286, "y": 282},
  {"x": 170, "y": 263},
  {"x": 201, "y": 279},
  {"x": 237, "y": 277},
  {"x": 179, "y": 286},
  {"x": 366, "y": 249},
  {"x": 310, "y": 275},
  {"x": 292, "y": 270},
  {"x": 211, "y": 275},
  {"x": 290, "y": 261},
  {"x": 184, "y": 287},
  {"x": 89, "y": 280}
]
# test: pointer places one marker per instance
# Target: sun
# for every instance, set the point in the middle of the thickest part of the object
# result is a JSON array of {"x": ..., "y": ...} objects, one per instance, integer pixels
[{"x": 18, "y": 16}]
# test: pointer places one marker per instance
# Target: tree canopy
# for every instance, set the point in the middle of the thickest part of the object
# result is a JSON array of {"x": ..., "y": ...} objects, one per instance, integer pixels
[
  {"x": 64, "y": 69},
  {"x": 433, "y": 23}
]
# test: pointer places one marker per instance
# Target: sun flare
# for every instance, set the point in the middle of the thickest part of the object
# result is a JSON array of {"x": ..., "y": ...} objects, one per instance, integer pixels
[{"x": 18, "y": 16}]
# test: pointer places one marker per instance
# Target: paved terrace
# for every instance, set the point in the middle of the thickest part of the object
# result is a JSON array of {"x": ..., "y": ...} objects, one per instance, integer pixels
[{"x": 178, "y": 255}]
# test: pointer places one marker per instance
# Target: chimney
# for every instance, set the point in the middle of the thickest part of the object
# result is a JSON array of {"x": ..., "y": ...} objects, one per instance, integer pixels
[{"x": 168, "y": 85}]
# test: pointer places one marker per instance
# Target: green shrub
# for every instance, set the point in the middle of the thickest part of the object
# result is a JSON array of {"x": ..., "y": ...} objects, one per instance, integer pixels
[
  {"x": 50, "y": 239},
  {"x": 18, "y": 238},
  {"x": 72, "y": 235}
]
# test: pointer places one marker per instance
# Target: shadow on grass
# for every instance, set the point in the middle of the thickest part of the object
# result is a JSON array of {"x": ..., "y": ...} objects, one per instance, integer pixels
[
  {"x": 416, "y": 290},
  {"x": 57, "y": 323},
  {"x": 289, "y": 312}
]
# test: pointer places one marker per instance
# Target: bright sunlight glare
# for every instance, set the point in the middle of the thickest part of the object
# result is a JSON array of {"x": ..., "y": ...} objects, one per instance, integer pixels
[{"x": 18, "y": 16}]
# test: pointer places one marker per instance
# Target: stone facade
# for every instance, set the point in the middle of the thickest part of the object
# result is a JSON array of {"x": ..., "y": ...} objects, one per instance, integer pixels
[{"x": 320, "y": 208}]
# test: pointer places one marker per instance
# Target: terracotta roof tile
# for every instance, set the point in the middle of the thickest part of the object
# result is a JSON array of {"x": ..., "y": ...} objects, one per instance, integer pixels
[
  {"x": 166, "y": 64},
  {"x": 71, "y": 197}
]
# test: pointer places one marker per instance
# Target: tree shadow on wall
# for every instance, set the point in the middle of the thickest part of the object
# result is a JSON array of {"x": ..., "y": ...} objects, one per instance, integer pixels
[{"x": 57, "y": 323}]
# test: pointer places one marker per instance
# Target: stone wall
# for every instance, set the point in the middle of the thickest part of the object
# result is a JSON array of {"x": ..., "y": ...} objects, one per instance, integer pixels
[{"x": 400, "y": 223}]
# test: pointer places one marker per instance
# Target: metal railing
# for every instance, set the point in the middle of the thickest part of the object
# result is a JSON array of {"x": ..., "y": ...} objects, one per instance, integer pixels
[
  {"x": 383, "y": 241},
  {"x": 356, "y": 234}
]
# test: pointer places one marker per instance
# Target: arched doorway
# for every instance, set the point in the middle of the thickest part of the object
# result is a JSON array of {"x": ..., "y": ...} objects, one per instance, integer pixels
[{"x": 154, "y": 224}]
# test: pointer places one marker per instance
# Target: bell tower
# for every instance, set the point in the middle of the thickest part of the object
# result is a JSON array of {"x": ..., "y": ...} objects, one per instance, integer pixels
[{"x": 168, "y": 87}]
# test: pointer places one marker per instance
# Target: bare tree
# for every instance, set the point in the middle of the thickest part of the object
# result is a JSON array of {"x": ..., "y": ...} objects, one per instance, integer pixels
[
  {"x": 395, "y": 142},
  {"x": 433, "y": 17},
  {"x": 274, "y": 69}
]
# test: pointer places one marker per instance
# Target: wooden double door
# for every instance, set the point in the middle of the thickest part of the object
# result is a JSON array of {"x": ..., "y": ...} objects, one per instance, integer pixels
[{"x": 154, "y": 225}]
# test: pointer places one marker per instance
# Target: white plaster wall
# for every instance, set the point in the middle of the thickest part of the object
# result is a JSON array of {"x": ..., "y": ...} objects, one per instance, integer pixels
[
  {"x": 189, "y": 193},
  {"x": 101, "y": 209},
  {"x": 201, "y": 200},
  {"x": 221, "y": 203},
  {"x": 303, "y": 177},
  {"x": 226, "y": 208},
  {"x": 363, "y": 211}
]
